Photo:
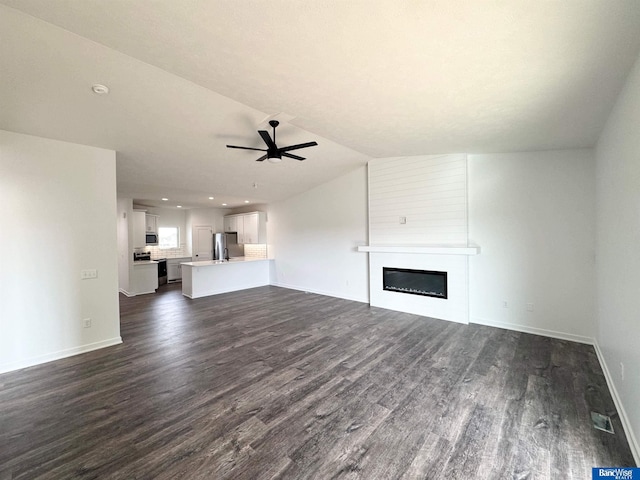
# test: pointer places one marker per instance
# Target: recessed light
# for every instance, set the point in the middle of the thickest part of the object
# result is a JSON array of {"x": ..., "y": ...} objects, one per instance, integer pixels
[
  {"x": 178, "y": 206},
  {"x": 246, "y": 201},
  {"x": 210, "y": 198},
  {"x": 164, "y": 199},
  {"x": 224, "y": 204},
  {"x": 100, "y": 89}
]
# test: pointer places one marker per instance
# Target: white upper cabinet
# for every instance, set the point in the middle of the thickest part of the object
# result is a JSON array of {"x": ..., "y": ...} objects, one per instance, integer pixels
[
  {"x": 231, "y": 223},
  {"x": 139, "y": 229},
  {"x": 251, "y": 232},
  {"x": 151, "y": 222},
  {"x": 240, "y": 228},
  {"x": 251, "y": 227}
]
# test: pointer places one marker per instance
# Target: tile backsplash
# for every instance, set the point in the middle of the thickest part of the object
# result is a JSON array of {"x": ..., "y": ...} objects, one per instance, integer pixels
[
  {"x": 157, "y": 252},
  {"x": 255, "y": 251},
  {"x": 250, "y": 251}
]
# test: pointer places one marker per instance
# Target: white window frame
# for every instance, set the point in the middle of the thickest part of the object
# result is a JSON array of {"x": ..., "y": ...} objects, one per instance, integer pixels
[{"x": 163, "y": 230}]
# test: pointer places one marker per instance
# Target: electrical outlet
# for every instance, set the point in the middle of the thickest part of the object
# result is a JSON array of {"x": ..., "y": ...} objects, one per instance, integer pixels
[
  {"x": 403, "y": 220},
  {"x": 86, "y": 323},
  {"x": 529, "y": 307},
  {"x": 621, "y": 371},
  {"x": 87, "y": 274},
  {"x": 505, "y": 304}
]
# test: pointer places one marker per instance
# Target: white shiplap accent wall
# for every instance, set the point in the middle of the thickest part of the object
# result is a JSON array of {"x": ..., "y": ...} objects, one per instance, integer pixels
[{"x": 429, "y": 190}]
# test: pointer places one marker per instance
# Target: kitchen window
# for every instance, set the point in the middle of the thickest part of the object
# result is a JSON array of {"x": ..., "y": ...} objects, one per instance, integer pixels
[{"x": 168, "y": 237}]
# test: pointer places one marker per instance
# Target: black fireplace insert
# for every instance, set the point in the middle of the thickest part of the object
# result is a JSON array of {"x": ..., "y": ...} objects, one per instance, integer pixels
[{"x": 415, "y": 282}]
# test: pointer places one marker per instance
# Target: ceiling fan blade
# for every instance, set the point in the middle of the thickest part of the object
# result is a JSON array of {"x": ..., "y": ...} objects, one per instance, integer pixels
[
  {"x": 247, "y": 148},
  {"x": 262, "y": 158},
  {"x": 267, "y": 139},
  {"x": 295, "y": 147},
  {"x": 291, "y": 155}
]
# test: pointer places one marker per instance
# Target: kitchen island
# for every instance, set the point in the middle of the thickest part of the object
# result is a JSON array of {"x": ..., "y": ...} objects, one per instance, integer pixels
[{"x": 211, "y": 277}]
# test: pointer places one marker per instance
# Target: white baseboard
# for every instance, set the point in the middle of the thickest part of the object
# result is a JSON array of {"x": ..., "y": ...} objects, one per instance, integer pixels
[
  {"x": 129, "y": 294},
  {"x": 321, "y": 292},
  {"x": 631, "y": 438},
  {"x": 49, "y": 357},
  {"x": 534, "y": 330}
]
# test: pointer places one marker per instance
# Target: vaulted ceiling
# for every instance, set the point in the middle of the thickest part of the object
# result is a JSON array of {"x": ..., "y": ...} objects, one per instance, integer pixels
[{"x": 364, "y": 79}]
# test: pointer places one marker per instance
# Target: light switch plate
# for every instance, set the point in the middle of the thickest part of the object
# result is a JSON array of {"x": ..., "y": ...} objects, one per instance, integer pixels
[{"x": 88, "y": 274}]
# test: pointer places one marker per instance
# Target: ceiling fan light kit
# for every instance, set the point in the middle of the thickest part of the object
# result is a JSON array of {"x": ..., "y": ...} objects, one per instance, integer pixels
[{"x": 275, "y": 154}]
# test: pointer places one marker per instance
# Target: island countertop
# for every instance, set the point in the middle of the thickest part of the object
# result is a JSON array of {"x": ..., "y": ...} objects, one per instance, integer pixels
[
  {"x": 207, "y": 263},
  {"x": 145, "y": 262}
]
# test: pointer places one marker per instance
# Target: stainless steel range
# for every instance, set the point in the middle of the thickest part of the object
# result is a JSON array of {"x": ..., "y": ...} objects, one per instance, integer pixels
[
  {"x": 162, "y": 271},
  {"x": 141, "y": 256}
]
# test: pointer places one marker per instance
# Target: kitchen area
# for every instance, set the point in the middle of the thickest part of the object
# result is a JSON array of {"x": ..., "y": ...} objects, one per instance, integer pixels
[
  {"x": 239, "y": 258},
  {"x": 153, "y": 265},
  {"x": 207, "y": 251}
]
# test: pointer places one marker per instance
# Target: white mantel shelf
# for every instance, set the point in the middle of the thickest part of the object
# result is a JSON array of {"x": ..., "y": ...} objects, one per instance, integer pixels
[{"x": 432, "y": 250}]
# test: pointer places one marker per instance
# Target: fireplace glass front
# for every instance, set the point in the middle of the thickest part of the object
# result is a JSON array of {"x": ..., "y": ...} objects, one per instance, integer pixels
[{"x": 415, "y": 282}]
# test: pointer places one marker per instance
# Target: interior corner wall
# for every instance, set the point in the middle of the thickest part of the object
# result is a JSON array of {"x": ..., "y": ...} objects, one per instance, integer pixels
[
  {"x": 618, "y": 257},
  {"x": 532, "y": 215},
  {"x": 314, "y": 237},
  {"x": 125, "y": 243},
  {"x": 58, "y": 214}
]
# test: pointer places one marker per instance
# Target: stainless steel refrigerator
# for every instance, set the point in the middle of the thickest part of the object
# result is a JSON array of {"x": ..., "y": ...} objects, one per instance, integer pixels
[{"x": 225, "y": 246}]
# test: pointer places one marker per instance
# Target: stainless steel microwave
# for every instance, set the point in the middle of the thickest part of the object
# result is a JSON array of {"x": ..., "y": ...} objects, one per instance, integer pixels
[{"x": 151, "y": 239}]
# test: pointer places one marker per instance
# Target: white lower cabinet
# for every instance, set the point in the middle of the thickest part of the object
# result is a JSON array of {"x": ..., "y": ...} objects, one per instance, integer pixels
[
  {"x": 174, "y": 269},
  {"x": 173, "y": 272},
  {"x": 145, "y": 277}
]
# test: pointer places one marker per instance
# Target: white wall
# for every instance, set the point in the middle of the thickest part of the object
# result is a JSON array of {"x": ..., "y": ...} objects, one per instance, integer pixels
[
  {"x": 313, "y": 237},
  {"x": 207, "y": 216},
  {"x": 532, "y": 215},
  {"x": 256, "y": 207},
  {"x": 58, "y": 214},
  {"x": 203, "y": 216},
  {"x": 618, "y": 251},
  {"x": 170, "y": 217}
]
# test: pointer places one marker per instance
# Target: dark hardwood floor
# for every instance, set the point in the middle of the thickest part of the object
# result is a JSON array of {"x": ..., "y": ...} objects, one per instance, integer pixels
[{"x": 275, "y": 383}]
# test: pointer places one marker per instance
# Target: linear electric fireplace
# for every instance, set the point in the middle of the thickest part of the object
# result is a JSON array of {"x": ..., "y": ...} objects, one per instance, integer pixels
[{"x": 415, "y": 282}]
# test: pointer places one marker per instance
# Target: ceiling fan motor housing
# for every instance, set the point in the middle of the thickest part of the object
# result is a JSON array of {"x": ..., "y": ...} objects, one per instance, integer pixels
[{"x": 275, "y": 154}]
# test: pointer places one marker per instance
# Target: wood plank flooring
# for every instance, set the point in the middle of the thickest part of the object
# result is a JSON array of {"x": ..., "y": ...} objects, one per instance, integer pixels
[{"x": 274, "y": 383}]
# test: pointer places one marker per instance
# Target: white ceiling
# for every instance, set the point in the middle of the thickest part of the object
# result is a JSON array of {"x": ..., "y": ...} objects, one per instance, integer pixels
[{"x": 375, "y": 78}]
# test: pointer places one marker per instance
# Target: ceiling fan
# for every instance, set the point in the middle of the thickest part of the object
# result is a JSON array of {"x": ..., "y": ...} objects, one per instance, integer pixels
[{"x": 275, "y": 154}]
